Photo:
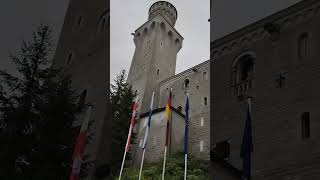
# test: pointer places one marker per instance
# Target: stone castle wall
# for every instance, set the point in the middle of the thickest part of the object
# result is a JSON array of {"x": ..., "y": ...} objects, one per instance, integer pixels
[
  {"x": 198, "y": 89},
  {"x": 82, "y": 53},
  {"x": 279, "y": 150}
]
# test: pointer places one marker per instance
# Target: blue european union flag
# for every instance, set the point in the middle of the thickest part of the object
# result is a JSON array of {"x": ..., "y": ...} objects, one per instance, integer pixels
[
  {"x": 247, "y": 148},
  {"x": 186, "y": 127}
]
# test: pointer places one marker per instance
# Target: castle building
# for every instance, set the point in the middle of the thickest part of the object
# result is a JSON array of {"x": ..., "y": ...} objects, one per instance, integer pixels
[
  {"x": 153, "y": 70},
  {"x": 83, "y": 52},
  {"x": 276, "y": 61}
]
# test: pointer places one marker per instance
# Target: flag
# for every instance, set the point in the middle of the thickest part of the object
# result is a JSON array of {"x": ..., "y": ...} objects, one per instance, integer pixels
[
  {"x": 168, "y": 115},
  {"x": 186, "y": 127},
  {"x": 134, "y": 110},
  {"x": 247, "y": 147},
  {"x": 149, "y": 123},
  {"x": 80, "y": 147}
]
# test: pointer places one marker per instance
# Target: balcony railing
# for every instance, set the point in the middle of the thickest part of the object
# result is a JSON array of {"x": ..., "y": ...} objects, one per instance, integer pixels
[{"x": 242, "y": 87}]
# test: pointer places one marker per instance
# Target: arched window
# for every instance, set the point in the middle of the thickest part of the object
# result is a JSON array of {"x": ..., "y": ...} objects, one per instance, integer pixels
[
  {"x": 103, "y": 22},
  {"x": 78, "y": 23},
  {"x": 242, "y": 74},
  {"x": 204, "y": 76},
  {"x": 158, "y": 71},
  {"x": 186, "y": 83},
  {"x": 69, "y": 58},
  {"x": 303, "y": 45},
  {"x": 205, "y": 101}
]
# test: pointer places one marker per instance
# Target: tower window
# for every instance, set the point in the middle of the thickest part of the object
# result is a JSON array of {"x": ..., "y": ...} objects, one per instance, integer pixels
[
  {"x": 79, "y": 22},
  {"x": 201, "y": 146},
  {"x": 305, "y": 125},
  {"x": 69, "y": 59},
  {"x": 204, "y": 76},
  {"x": 242, "y": 74},
  {"x": 186, "y": 83},
  {"x": 303, "y": 45},
  {"x": 205, "y": 101},
  {"x": 201, "y": 122},
  {"x": 158, "y": 71},
  {"x": 104, "y": 19},
  {"x": 161, "y": 44}
]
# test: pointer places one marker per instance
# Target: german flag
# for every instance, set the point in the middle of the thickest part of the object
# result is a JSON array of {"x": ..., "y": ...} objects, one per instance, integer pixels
[{"x": 168, "y": 116}]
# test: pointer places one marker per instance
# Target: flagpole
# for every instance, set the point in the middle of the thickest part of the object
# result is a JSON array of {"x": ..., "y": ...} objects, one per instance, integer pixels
[
  {"x": 168, "y": 113},
  {"x": 186, "y": 138},
  {"x": 249, "y": 103},
  {"x": 146, "y": 134},
  {"x": 185, "y": 166},
  {"x": 129, "y": 135},
  {"x": 141, "y": 166},
  {"x": 169, "y": 144},
  {"x": 164, "y": 162}
]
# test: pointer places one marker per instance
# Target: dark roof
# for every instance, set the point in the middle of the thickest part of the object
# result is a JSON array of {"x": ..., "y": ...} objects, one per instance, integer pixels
[{"x": 160, "y": 110}]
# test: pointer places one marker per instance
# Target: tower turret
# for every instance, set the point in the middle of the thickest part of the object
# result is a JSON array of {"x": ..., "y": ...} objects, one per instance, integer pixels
[
  {"x": 166, "y": 9},
  {"x": 157, "y": 44}
]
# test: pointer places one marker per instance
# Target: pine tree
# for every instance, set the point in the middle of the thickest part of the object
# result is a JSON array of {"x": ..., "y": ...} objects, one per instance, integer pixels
[
  {"x": 121, "y": 100},
  {"x": 37, "y": 111}
]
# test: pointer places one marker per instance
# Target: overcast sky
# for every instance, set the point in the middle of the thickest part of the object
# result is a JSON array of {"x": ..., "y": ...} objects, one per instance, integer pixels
[
  {"x": 20, "y": 17},
  {"x": 192, "y": 24}
]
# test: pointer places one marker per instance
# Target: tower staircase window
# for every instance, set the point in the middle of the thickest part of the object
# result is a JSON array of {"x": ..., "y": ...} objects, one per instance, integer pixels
[
  {"x": 186, "y": 83},
  {"x": 303, "y": 45},
  {"x": 305, "y": 125},
  {"x": 204, "y": 77}
]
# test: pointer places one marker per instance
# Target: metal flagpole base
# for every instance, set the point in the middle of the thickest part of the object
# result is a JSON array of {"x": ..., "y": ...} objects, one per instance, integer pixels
[
  {"x": 124, "y": 157},
  {"x": 144, "y": 150},
  {"x": 185, "y": 166},
  {"x": 164, "y": 162}
]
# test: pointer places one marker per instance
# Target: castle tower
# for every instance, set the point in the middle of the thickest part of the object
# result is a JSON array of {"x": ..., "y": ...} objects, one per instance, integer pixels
[
  {"x": 83, "y": 52},
  {"x": 157, "y": 44}
]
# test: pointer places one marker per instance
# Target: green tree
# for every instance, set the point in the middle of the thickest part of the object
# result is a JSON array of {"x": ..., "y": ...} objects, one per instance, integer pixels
[
  {"x": 121, "y": 98},
  {"x": 37, "y": 108}
]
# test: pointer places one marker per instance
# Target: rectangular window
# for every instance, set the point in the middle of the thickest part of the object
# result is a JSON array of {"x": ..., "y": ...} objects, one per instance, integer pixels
[
  {"x": 305, "y": 125},
  {"x": 201, "y": 122},
  {"x": 201, "y": 146}
]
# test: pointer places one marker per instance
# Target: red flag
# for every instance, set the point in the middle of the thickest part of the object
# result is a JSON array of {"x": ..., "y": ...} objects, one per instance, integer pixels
[
  {"x": 80, "y": 147},
  {"x": 134, "y": 110}
]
